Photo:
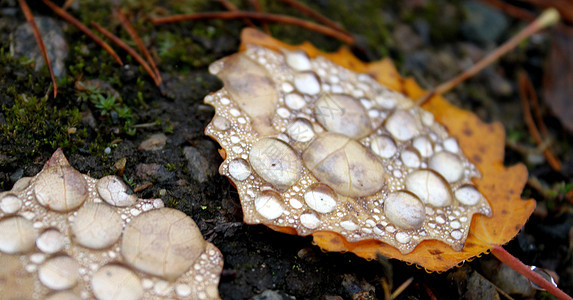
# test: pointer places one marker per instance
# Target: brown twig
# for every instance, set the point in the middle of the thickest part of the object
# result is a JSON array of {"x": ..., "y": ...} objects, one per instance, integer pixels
[
  {"x": 527, "y": 92},
  {"x": 429, "y": 292},
  {"x": 547, "y": 18},
  {"x": 230, "y": 6},
  {"x": 131, "y": 31},
  {"x": 537, "y": 110},
  {"x": 259, "y": 9},
  {"x": 39, "y": 41},
  {"x": 128, "y": 49},
  {"x": 315, "y": 15},
  {"x": 64, "y": 15},
  {"x": 259, "y": 16}
]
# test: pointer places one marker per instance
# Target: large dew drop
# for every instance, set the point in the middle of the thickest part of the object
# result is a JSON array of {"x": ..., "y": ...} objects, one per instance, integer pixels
[
  {"x": 309, "y": 221},
  {"x": 294, "y": 101},
  {"x": 269, "y": 205},
  {"x": 297, "y": 60},
  {"x": 113, "y": 282},
  {"x": 96, "y": 226},
  {"x": 345, "y": 165},
  {"x": 239, "y": 169},
  {"x": 59, "y": 273},
  {"x": 17, "y": 235},
  {"x": 410, "y": 158},
  {"x": 275, "y": 162},
  {"x": 61, "y": 188},
  {"x": 51, "y": 241},
  {"x": 402, "y": 237},
  {"x": 307, "y": 83},
  {"x": 402, "y": 125},
  {"x": 448, "y": 165},
  {"x": 423, "y": 145},
  {"x": 383, "y": 146},
  {"x": 468, "y": 195},
  {"x": 10, "y": 203},
  {"x": 163, "y": 242},
  {"x": 342, "y": 114},
  {"x": 430, "y": 187},
  {"x": 114, "y": 192},
  {"x": 300, "y": 130},
  {"x": 404, "y": 210},
  {"x": 252, "y": 89},
  {"x": 321, "y": 198}
]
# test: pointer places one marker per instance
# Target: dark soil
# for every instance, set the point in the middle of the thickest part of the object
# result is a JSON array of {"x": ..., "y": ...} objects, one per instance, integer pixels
[{"x": 426, "y": 39}]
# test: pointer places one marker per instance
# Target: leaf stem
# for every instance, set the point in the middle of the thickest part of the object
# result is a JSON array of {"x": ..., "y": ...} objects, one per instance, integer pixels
[{"x": 524, "y": 270}]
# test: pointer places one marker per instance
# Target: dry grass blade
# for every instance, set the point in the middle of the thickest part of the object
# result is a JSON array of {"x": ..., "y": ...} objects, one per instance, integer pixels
[
  {"x": 315, "y": 15},
  {"x": 259, "y": 16},
  {"x": 511, "y": 10},
  {"x": 401, "y": 288},
  {"x": 128, "y": 49},
  {"x": 131, "y": 31},
  {"x": 259, "y": 9},
  {"x": 547, "y": 18},
  {"x": 528, "y": 95},
  {"x": 39, "y": 41},
  {"x": 64, "y": 15},
  {"x": 230, "y": 6}
]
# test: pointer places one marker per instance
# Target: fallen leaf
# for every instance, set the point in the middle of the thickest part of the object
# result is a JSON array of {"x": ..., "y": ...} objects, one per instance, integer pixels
[{"x": 482, "y": 143}]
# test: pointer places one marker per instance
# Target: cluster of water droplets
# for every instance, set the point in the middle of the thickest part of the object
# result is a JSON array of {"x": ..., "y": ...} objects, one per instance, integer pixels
[
  {"x": 316, "y": 147},
  {"x": 65, "y": 235}
]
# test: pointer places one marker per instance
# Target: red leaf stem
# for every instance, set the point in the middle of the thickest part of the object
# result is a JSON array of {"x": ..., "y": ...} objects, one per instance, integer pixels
[{"x": 525, "y": 270}]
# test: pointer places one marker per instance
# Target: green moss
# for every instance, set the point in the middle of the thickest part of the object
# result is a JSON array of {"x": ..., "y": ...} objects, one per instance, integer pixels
[
  {"x": 106, "y": 103},
  {"x": 87, "y": 60},
  {"x": 183, "y": 53},
  {"x": 36, "y": 124}
]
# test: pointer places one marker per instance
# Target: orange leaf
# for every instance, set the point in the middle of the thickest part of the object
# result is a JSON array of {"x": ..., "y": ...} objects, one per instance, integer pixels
[{"x": 482, "y": 143}]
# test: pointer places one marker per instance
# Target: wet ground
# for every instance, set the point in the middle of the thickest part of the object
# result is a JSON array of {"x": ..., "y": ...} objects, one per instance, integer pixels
[{"x": 430, "y": 40}]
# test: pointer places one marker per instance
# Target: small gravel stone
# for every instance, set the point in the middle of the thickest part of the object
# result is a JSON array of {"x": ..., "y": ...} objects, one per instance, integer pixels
[
  {"x": 24, "y": 45},
  {"x": 153, "y": 172},
  {"x": 154, "y": 142},
  {"x": 198, "y": 165}
]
